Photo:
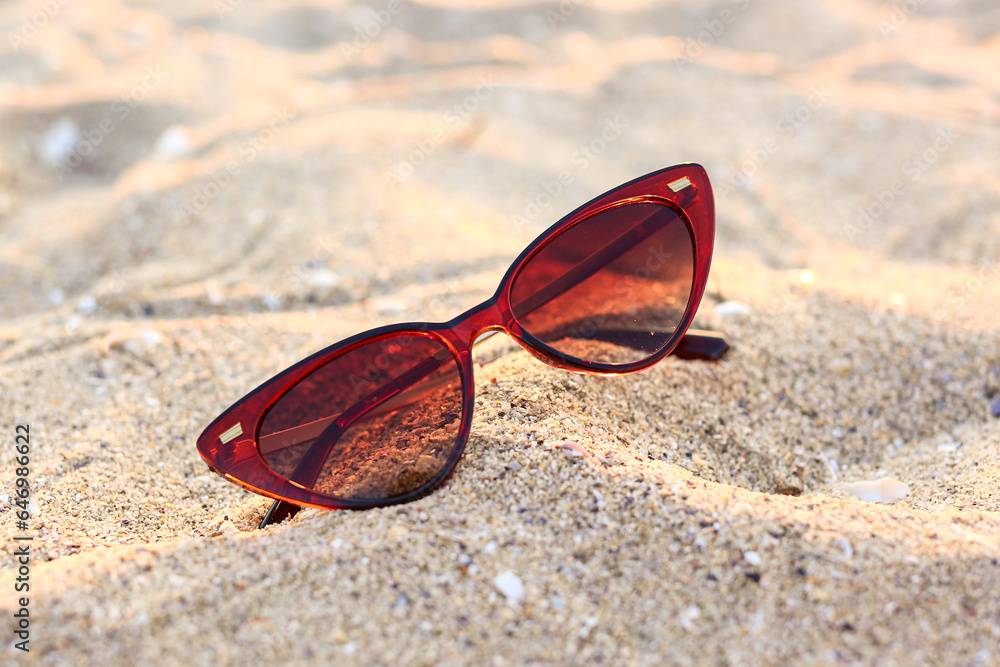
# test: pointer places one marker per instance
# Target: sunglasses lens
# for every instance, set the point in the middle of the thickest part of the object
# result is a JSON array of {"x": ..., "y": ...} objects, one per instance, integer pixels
[
  {"x": 612, "y": 288},
  {"x": 378, "y": 422}
]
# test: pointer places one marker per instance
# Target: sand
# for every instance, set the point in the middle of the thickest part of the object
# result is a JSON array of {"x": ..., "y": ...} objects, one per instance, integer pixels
[{"x": 192, "y": 198}]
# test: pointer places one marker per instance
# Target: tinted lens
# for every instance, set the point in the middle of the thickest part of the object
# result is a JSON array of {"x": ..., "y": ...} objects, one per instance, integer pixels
[
  {"x": 375, "y": 423},
  {"x": 610, "y": 289}
]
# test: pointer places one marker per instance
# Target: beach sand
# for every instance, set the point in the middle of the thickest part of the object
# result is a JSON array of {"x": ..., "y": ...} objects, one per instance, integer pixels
[{"x": 194, "y": 198}]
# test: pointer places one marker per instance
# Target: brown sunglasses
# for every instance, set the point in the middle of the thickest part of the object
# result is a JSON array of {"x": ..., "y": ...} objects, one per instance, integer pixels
[{"x": 383, "y": 417}]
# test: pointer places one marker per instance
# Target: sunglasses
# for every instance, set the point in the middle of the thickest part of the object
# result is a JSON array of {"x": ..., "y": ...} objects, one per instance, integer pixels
[{"x": 383, "y": 417}]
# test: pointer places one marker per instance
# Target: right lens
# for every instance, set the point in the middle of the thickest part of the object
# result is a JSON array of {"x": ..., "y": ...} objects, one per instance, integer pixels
[
  {"x": 612, "y": 288},
  {"x": 377, "y": 422}
]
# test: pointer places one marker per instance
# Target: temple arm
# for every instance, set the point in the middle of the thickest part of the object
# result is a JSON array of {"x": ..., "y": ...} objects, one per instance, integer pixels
[{"x": 701, "y": 345}]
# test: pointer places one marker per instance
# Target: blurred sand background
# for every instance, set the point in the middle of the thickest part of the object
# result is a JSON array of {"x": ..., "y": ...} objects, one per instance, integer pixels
[{"x": 195, "y": 195}]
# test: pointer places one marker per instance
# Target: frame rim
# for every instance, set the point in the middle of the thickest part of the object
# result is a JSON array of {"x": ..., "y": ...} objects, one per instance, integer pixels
[{"x": 696, "y": 208}]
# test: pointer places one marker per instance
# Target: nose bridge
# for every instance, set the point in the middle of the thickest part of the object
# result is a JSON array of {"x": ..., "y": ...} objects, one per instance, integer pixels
[{"x": 485, "y": 317}]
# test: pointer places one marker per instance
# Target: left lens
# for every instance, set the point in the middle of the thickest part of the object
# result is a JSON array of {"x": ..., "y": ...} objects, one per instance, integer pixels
[
  {"x": 377, "y": 422},
  {"x": 611, "y": 289}
]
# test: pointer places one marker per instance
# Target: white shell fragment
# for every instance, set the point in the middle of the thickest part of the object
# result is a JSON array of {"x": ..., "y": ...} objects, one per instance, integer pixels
[
  {"x": 322, "y": 278},
  {"x": 571, "y": 448},
  {"x": 138, "y": 342},
  {"x": 510, "y": 585},
  {"x": 225, "y": 527},
  {"x": 844, "y": 544},
  {"x": 60, "y": 141},
  {"x": 733, "y": 309},
  {"x": 397, "y": 532},
  {"x": 885, "y": 490},
  {"x": 175, "y": 142}
]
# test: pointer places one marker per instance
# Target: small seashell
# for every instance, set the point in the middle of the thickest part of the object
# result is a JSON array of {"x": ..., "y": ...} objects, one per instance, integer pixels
[
  {"x": 86, "y": 305},
  {"x": 735, "y": 309},
  {"x": 144, "y": 340},
  {"x": 885, "y": 490},
  {"x": 571, "y": 448},
  {"x": 397, "y": 532},
  {"x": 175, "y": 142},
  {"x": 60, "y": 141},
  {"x": 138, "y": 342},
  {"x": 322, "y": 278},
  {"x": 752, "y": 557},
  {"x": 844, "y": 544},
  {"x": 689, "y": 616},
  {"x": 214, "y": 296},
  {"x": 510, "y": 585},
  {"x": 227, "y": 527},
  {"x": 949, "y": 446},
  {"x": 589, "y": 624}
]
